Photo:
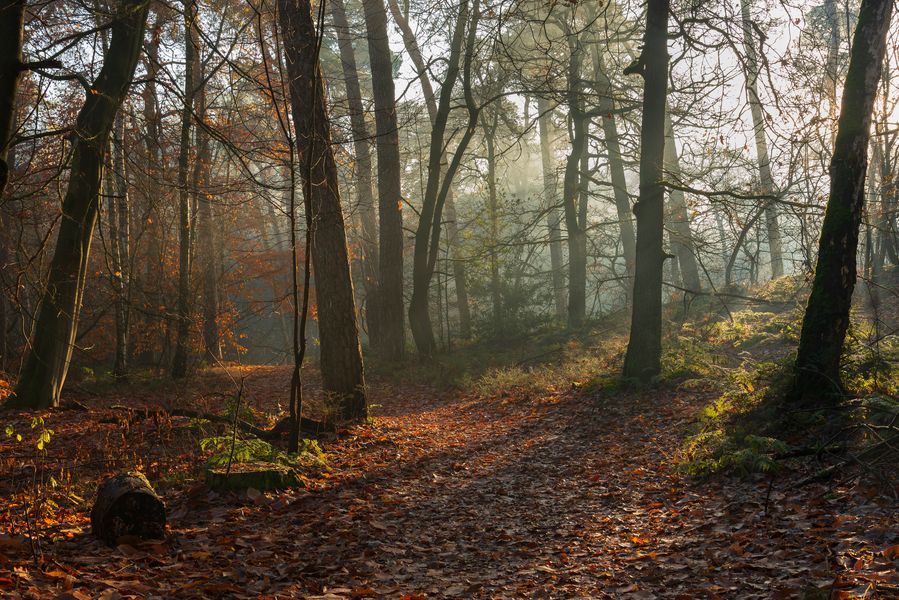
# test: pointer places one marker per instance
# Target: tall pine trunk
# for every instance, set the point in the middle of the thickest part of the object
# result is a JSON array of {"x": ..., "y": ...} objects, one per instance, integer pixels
[
  {"x": 390, "y": 199},
  {"x": 644, "y": 350},
  {"x": 341, "y": 355},
  {"x": 817, "y": 371},
  {"x": 47, "y": 362}
]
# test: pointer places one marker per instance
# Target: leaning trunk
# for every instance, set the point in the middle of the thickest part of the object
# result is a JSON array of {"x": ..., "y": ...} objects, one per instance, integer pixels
[
  {"x": 47, "y": 362},
  {"x": 817, "y": 376}
]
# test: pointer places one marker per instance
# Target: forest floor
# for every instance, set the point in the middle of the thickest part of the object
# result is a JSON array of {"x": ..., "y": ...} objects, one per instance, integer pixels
[{"x": 513, "y": 485}]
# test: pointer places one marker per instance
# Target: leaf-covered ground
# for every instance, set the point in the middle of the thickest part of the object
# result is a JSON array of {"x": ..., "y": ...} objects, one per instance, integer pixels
[{"x": 567, "y": 494}]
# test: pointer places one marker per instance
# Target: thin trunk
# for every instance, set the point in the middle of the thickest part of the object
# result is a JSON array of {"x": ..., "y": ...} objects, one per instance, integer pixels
[
  {"x": 185, "y": 229},
  {"x": 817, "y": 377},
  {"x": 119, "y": 236},
  {"x": 493, "y": 222},
  {"x": 679, "y": 220},
  {"x": 616, "y": 162},
  {"x": 341, "y": 355},
  {"x": 390, "y": 193},
  {"x": 553, "y": 219},
  {"x": 644, "y": 350},
  {"x": 362, "y": 171},
  {"x": 206, "y": 224},
  {"x": 48, "y": 358},
  {"x": 775, "y": 245},
  {"x": 571, "y": 190},
  {"x": 452, "y": 225},
  {"x": 427, "y": 234}
]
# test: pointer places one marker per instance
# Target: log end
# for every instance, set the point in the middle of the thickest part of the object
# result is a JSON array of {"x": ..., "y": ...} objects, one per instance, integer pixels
[{"x": 127, "y": 505}]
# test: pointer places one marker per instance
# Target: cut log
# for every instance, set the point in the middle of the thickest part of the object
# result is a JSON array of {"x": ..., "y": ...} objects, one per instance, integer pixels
[
  {"x": 127, "y": 505},
  {"x": 264, "y": 477}
]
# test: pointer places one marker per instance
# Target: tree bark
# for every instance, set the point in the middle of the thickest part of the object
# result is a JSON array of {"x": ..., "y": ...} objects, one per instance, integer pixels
[
  {"x": 493, "y": 221},
  {"x": 452, "y": 226},
  {"x": 679, "y": 226},
  {"x": 571, "y": 190},
  {"x": 50, "y": 353},
  {"x": 553, "y": 219},
  {"x": 341, "y": 355},
  {"x": 390, "y": 194},
  {"x": 427, "y": 234},
  {"x": 362, "y": 172},
  {"x": 119, "y": 237},
  {"x": 775, "y": 245},
  {"x": 644, "y": 350},
  {"x": 616, "y": 163},
  {"x": 185, "y": 228},
  {"x": 817, "y": 370}
]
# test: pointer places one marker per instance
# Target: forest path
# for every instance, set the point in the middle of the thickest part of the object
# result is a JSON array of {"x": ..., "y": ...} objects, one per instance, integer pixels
[{"x": 568, "y": 495}]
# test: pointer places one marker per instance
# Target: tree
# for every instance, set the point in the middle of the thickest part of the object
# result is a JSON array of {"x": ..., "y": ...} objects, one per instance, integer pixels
[
  {"x": 47, "y": 362},
  {"x": 185, "y": 229},
  {"x": 452, "y": 226},
  {"x": 390, "y": 200},
  {"x": 427, "y": 234},
  {"x": 817, "y": 369},
  {"x": 341, "y": 355},
  {"x": 362, "y": 172},
  {"x": 761, "y": 143},
  {"x": 544, "y": 124},
  {"x": 644, "y": 350}
]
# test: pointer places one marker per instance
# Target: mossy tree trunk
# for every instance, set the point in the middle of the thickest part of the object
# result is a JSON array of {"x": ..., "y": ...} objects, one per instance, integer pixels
[
  {"x": 817, "y": 370},
  {"x": 644, "y": 350},
  {"x": 47, "y": 361}
]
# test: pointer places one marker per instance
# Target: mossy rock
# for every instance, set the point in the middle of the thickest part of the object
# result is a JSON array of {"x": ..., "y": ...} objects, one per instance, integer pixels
[{"x": 260, "y": 476}]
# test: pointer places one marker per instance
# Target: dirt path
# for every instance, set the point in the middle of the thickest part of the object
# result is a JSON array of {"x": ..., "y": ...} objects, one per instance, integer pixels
[{"x": 567, "y": 496}]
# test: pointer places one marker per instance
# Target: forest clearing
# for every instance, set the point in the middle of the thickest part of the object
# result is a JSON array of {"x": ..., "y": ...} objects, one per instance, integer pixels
[
  {"x": 524, "y": 481},
  {"x": 451, "y": 299}
]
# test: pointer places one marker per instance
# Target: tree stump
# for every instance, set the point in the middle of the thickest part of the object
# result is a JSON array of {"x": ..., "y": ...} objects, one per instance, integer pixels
[
  {"x": 127, "y": 505},
  {"x": 261, "y": 476}
]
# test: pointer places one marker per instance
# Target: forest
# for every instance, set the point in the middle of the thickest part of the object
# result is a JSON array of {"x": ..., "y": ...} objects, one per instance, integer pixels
[{"x": 425, "y": 299}]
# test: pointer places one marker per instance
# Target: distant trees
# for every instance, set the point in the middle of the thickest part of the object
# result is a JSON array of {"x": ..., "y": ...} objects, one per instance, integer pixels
[{"x": 47, "y": 362}]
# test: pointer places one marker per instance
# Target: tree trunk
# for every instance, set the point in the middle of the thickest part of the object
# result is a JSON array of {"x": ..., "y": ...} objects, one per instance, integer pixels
[
  {"x": 206, "y": 223},
  {"x": 452, "y": 225},
  {"x": 427, "y": 234},
  {"x": 493, "y": 221},
  {"x": 12, "y": 24},
  {"x": 616, "y": 163},
  {"x": 119, "y": 237},
  {"x": 817, "y": 376},
  {"x": 571, "y": 188},
  {"x": 390, "y": 194},
  {"x": 644, "y": 350},
  {"x": 681, "y": 235},
  {"x": 47, "y": 361},
  {"x": 775, "y": 246},
  {"x": 185, "y": 229},
  {"x": 362, "y": 172},
  {"x": 341, "y": 355},
  {"x": 553, "y": 219}
]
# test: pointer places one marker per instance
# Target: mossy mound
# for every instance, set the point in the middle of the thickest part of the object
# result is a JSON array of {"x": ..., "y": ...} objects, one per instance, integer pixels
[{"x": 260, "y": 476}]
